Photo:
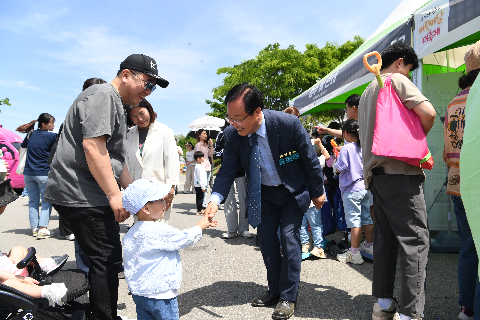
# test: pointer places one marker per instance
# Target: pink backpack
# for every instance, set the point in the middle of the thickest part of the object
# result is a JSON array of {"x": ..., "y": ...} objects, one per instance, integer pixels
[{"x": 398, "y": 131}]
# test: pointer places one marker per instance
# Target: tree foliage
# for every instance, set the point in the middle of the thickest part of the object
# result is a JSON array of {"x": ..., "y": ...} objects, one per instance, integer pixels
[
  {"x": 5, "y": 101},
  {"x": 282, "y": 74},
  {"x": 182, "y": 140}
]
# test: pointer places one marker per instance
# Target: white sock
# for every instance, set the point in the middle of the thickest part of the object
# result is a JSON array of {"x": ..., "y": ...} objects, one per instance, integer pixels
[
  {"x": 56, "y": 293},
  {"x": 47, "y": 264},
  {"x": 404, "y": 317},
  {"x": 384, "y": 302}
]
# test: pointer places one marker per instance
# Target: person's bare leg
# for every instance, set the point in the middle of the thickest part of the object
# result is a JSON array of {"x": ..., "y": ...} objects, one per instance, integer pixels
[
  {"x": 17, "y": 254},
  {"x": 368, "y": 230},
  {"x": 356, "y": 237},
  {"x": 30, "y": 289}
]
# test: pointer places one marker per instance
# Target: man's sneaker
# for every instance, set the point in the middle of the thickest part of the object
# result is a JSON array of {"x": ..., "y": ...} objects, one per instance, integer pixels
[
  {"x": 397, "y": 317},
  {"x": 44, "y": 233},
  {"x": 349, "y": 257},
  {"x": 319, "y": 253},
  {"x": 56, "y": 293},
  {"x": 380, "y": 313},
  {"x": 229, "y": 235},
  {"x": 70, "y": 237},
  {"x": 34, "y": 232},
  {"x": 247, "y": 234},
  {"x": 463, "y": 316},
  {"x": 366, "y": 250},
  {"x": 307, "y": 247}
]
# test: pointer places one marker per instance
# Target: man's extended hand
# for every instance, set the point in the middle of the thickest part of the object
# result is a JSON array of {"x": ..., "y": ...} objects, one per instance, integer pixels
[
  {"x": 116, "y": 204},
  {"x": 211, "y": 210},
  {"x": 318, "y": 202}
]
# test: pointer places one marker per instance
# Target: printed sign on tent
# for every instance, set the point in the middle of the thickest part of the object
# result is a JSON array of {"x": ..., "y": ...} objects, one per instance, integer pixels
[{"x": 430, "y": 25}]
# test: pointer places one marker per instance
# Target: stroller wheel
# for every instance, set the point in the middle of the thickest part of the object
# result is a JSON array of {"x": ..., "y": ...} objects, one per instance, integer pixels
[
  {"x": 334, "y": 249},
  {"x": 79, "y": 315},
  {"x": 341, "y": 246},
  {"x": 330, "y": 244}
]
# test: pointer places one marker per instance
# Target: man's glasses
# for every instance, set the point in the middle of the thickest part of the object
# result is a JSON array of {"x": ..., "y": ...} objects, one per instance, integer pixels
[
  {"x": 148, "y": 85},
  {"x": 236, "y": 121}
]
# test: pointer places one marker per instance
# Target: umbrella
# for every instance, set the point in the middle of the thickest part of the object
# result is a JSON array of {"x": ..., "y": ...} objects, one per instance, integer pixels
[{"x": 209, "y": 123}]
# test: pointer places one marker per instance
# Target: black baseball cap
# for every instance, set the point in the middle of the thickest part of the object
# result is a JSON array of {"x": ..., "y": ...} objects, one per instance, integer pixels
[{"x": 144, "y": 64}]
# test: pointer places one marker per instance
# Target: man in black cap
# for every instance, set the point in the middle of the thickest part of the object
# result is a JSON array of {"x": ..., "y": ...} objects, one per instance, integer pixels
[{"x": 90, "y": 159}]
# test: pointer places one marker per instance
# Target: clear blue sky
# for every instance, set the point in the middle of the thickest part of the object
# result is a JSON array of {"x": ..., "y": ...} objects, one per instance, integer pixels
[{"x": 50, "y": 47}]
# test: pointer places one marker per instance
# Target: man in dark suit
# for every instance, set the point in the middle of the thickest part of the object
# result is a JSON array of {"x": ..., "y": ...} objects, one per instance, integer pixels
[{"x": 283, "y": 175}]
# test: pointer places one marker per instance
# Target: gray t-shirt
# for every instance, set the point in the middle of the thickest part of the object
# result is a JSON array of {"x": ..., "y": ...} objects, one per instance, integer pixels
[
  {"x": 410, "y": 97},
  {"x": 97, "y": 111}
]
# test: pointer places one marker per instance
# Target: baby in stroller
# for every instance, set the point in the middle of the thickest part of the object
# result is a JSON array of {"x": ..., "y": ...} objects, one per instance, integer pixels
[
  {"x": 32, "y": 287},
  {"x": 18, "y": 278}
]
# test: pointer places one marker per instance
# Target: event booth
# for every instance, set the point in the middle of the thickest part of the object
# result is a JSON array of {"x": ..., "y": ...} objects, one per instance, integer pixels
[{"x": 440, "y": 31}]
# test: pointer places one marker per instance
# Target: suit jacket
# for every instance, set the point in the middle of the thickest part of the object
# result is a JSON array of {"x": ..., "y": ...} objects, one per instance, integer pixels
[
  {"x": 294, "y": 156},
  {"x": 159, "y": 161}
]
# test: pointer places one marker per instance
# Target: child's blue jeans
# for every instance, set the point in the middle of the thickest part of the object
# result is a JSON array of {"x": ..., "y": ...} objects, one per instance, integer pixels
[
  {"x": 156, "y": 309},
  {"x": 314, "y": 217}
]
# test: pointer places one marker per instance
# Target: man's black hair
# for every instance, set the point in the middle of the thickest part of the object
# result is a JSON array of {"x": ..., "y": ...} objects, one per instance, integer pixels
[
  {"x": 396, "y": 51},
  {"x": 252, "y": 97},
  {"x": 198, "y": 154},
  {"x": 353, "y": 100}
]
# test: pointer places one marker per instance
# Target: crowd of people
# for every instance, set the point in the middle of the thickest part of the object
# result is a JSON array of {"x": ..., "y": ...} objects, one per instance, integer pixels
[{"x": 284, "y": 178}]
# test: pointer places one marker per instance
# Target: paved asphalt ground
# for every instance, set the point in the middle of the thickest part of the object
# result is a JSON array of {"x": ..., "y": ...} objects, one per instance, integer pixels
[{"x": 221, "y": 277}]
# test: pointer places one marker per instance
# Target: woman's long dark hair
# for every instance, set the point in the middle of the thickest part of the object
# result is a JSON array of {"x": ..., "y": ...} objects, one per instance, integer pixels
[
  {"x": 351, "y": 126},
  {"x": 199, "y": 132},
  {"x": 43, "y": 118}
]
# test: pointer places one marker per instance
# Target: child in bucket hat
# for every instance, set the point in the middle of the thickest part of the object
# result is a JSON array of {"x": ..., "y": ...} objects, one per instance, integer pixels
[{"x": 153, "y": 269}]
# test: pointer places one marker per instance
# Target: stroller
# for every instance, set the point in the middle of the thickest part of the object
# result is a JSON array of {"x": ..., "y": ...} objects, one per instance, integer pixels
[{"x": 18, "y": 305}]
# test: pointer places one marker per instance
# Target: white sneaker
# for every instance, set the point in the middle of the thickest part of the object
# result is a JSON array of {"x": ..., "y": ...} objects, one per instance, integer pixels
[
  {"x": 463, "y": 316},
  {"x": 34, "y": 232},
  {"x": 44, "y": 233},
  {"x": 349, "y": 257},
  {"x": 307, "y": 247},
  {"x": 398, "y": 317},
  {"x": 229, "y": 235},
  {"x": 247, "y": 234},
  {"x": 70, "y": 237},
  {"x": 318, "y": 252},
  {"x": 366, "y": 250},
  {"x": 380, "y": 313},
  {"x": 56, "y": 293}
]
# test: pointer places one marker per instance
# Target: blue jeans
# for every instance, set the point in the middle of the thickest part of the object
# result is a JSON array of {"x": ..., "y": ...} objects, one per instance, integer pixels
[
  {"x": 314, "y": 217},
  {"x": 35, "y": 186},
  {"x": 156, "y": 309},
  {"x": 468, "y": 285}
]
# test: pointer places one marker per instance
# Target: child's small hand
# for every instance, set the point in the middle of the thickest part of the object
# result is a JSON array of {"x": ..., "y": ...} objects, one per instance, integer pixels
[
  {"x": 204, "y": 223},
  {"x": 29, "y": 280}
]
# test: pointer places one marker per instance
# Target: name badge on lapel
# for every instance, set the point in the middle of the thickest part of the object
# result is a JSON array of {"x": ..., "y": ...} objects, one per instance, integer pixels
[{"x": 288, "y": 157}]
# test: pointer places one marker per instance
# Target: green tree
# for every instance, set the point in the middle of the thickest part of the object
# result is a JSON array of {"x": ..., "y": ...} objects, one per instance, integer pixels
[
  {"x": 182, "y": 140},
  {"x": 5, "y": 101},
  {"x": 282, "y": 74}
]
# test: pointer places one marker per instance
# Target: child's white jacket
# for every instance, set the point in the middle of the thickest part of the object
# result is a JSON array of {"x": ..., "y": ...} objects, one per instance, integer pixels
[{"x": 151, "y": 257}]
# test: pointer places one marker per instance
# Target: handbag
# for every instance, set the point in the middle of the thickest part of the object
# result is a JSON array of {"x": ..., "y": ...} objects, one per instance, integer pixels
[
  {"x": 22, "y": 158},
  {"x": 398, "y": 132}
]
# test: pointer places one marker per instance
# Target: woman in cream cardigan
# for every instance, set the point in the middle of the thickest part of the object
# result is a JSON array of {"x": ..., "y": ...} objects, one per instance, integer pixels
[{"x": 151, "y": 150}]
